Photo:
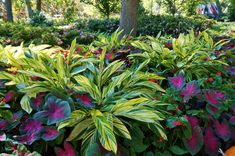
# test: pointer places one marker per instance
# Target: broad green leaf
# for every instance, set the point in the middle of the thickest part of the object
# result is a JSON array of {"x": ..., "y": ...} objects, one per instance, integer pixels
[
  {"x": 177, "y": 150},
  {"x": 107, "y": 137},
  {"x": 139, "y": 114},
  {"x": 78, "y": 129},
  {"x": 120, "y": 128},
  {"x": 76, "y": 117},
  {"x": 93, "y": 150},
  {"x": 25, "y": 104},
  {"x": 128, "y": 103}
]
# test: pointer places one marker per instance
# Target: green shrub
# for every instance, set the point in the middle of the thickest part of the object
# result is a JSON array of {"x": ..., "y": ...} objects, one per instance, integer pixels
[
  {"x": 39, "y": 19},
  {"x": 169, "y": 25},
  {"x": 17, "y": 33},
  {"x": 98, "y": 25},
  {"x": 231, "y": 10}
]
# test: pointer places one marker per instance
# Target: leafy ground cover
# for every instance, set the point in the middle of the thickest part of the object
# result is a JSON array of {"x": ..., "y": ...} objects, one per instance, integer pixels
[{"x": 135, "y": 96}]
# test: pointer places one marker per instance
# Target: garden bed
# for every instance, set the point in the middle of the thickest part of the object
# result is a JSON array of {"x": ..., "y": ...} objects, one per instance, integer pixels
[{"x": 135, "y": 96}]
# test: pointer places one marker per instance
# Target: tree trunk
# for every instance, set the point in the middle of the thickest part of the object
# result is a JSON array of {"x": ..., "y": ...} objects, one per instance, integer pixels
[
  {"x": 39, "y": 5},
  {"x": 128, "y": 20},
  {"x": 8, "y": 5},
  {"x": 29, "y": 8},
  {"x": 219, "y": 7}
]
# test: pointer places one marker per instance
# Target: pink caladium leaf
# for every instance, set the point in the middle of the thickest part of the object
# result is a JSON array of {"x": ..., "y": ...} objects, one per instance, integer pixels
[
  {"x": 3, "y": 137},
  {"x": 67, "y": 151},
  {"x": 211, "y": 143},
  {"x": 55, "y": 110},
  {"x": 211, "y": 98},
  {"x": 31, "y": 126},
  {"x": 220, "y": 95},
  {"x": 222, "y": 130},
  {"x": 50, "y": 134},
  {"x": 195, "y": 143},
  {"x": 232, "y": 120},
  {"x": 177, "y": 82},
  {"x": 193, "y": 121},
  {"x": 190, "y": 90},
  {"x": 84, "y": 100}
]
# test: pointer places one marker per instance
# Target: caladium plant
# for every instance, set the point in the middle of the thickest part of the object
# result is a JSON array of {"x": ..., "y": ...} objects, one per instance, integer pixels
[
  {"x": 211, "y": 142},
  {"x": 211, "y": 127},
  {"x": 54, "y": 110},
  {"x": 191, "y": 89},
  {"x": 32, "y": 130},
  {"x": 177, "y": 82}
]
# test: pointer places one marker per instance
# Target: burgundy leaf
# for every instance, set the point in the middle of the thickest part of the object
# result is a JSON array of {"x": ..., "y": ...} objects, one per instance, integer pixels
[
  {"x": 177, "y": 82},
  {"x": 37, "y": 102},
  {"x": 68, "y": 150},
  {"x": 194, "y": 144},
  {"x": 222, "y": 130},
  {"x": 233, "y": 109},
  {"x": 60, "y": 151},
  {"x": 211, "y": 143},
  {"x": 2, "y": 84},
  {"x": 232, "y": 128},
  {"x": 190, "y": 90},
  {"x": 27, "y": 138},
  {"x": 85, "y": 100},
  {"x": 232, "y": 70},
  {"x": 31, "y": 126},
  {"x": 9, "y": 96},
  {"x": 50, "y": 134},
  {"x": 193, "y": 121},
  {"x": 109, "y": 56},
  {"x": 232, "y": 120},
  {"x": 3, "y": 124}
]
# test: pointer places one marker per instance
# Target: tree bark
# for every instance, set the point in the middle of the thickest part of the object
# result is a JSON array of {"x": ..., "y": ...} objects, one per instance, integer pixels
[
  {"x": 39, "y": 5},
  {"x": 29, "y": 8},
  {"x": 219, "y": 7},
  {"x": 8, "y": 5},
  {"x": 128, "y": 20}
]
